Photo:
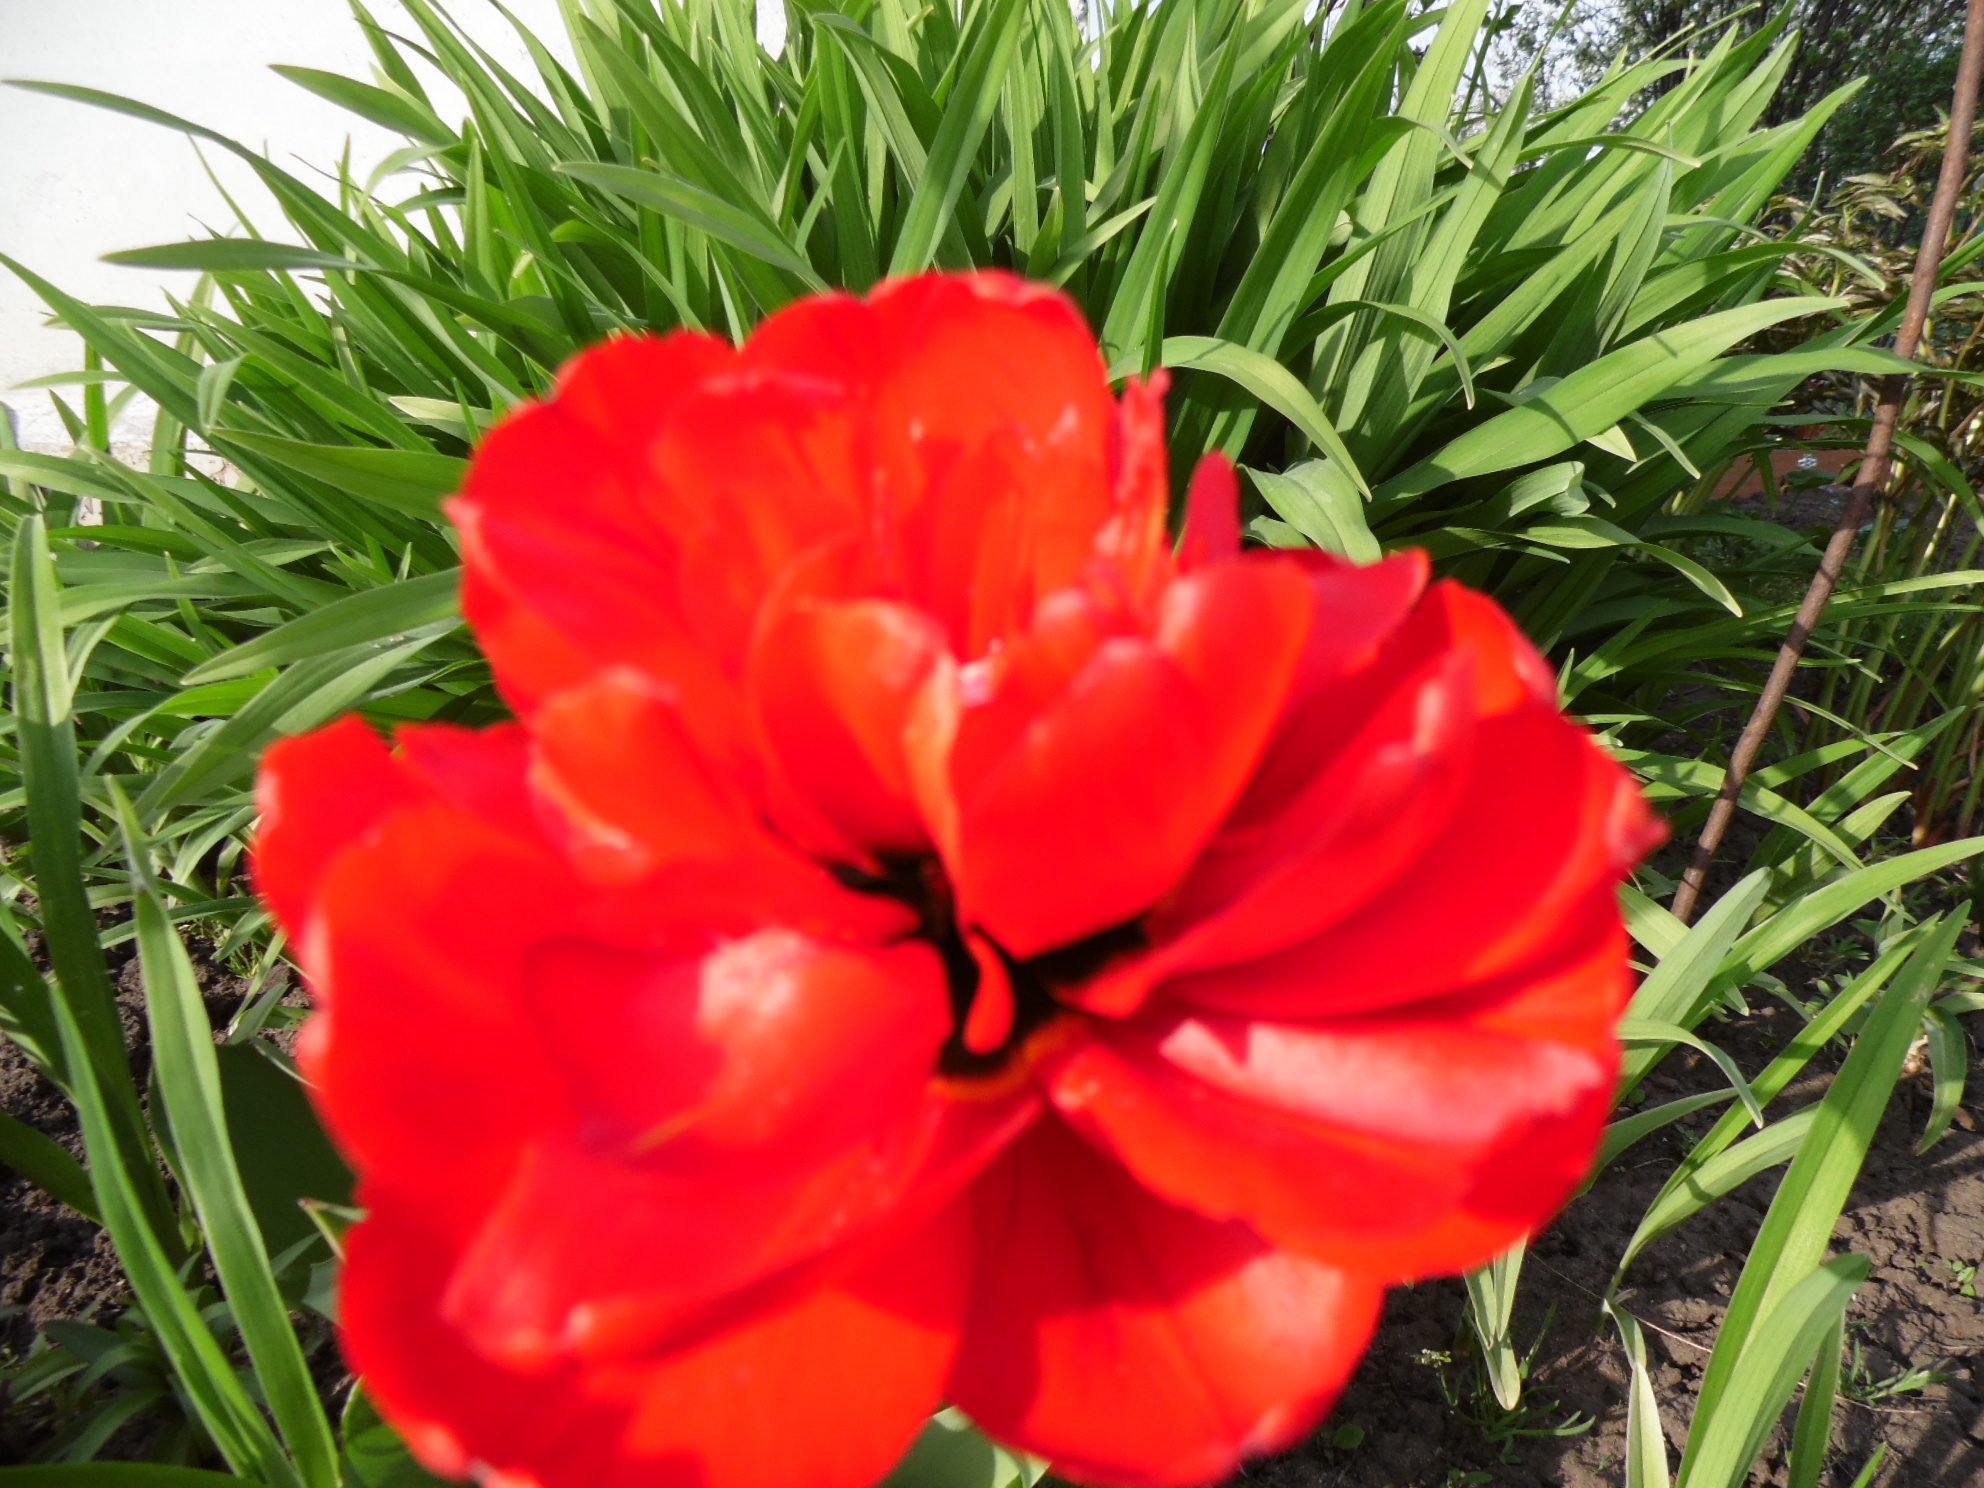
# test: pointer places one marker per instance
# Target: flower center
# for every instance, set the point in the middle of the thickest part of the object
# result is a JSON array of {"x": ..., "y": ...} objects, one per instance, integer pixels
[{"x": 920, "y": 882}]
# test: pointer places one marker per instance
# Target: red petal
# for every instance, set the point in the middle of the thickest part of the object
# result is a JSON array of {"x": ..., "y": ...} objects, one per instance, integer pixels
[
  {"x": 771, "y": 1046},
  {"x": 1113, "y": 781},
  {"x": 827, "y": 1391},
  {"x": 479, "y": 772},
  {"x": 616, "y": 759},
  {"x": 599, "y": 1258},
  {"x": 556, "y": 524},
  {"x": 990, "y": 1020},
  {"x": 1364, "y": 818},
  {"x": 622, "y": 390},
  {"x": 618, "y": 1135},
  {"x": 638, "y": 805},
  {"x": 1547, "y": 809},
  {"x": 1134, "y": 544},
  {"x": 533, "y": 658},
  {"x": 1409, "y": 1144},
  {"x": 1357, "y": 611},
  {"x": 771, "y": 1399},
  {"x": 426, "y": 1072},
  {"x": 956, "y": 427},
  {"x": 987, "y": 418},
  {"x": 1509, "y": 672},
  {"x": 833, "y": 684},
  {"x": 434, "y": 1069},
  {"x": 623, "y": 1114},
  {"x": 457, "y": 1411},
  {"x": 1132, "y": 1342},
  {"x": 317, "y": 794},
  {"x": 749, "y": 478},
  {"x": 991, "y": 362},
  {"x": 1212, "y": 514}
]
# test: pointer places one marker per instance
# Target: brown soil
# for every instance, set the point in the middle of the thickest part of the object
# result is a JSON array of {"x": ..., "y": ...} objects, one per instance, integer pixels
[
  {"x": 1916, "y": 1219},
  {"x": 53, "y": 1262},
  {"x": 1415, "y": 1421}
]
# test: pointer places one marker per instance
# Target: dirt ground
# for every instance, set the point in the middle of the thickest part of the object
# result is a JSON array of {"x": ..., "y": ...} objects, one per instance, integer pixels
[
  {"x": 54, "y": 1264},
  {"x": 1919, "y": 1220},
  {"x": 1416, "y": 1416}
]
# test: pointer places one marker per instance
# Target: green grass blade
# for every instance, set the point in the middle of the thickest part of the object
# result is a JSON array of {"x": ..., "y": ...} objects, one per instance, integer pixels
[
  {"x": 1673, "y": 990},
  {"x": 405, "y": 480},
  {"x": 1670, "y": 775},
  {"x": 1666, "y": 1035},
  {"x": 967, "y": 114},
  {"x": 389, "y": 110},
  {"x": 1646, "y": 1442},
  {"x": 1949, "y": 1063},
  {"x": 1650, "y": 923},
  {"x": 700, "y": 209},
  {"x": 1267, "y": 380},
  {"x": 1491, "y": 1301},
  {"x": 1319, "y": 500},
  {"x": 368, "y": 616},
  {"x": 1621, "y": 1134},
  {"x": 1796, "y": 924},
  {"x": 1809, "y": 1201},
  {"x": 307, "y": 694},
  {"x": 200, "y": 1366},
  {"x": 165, "y": 375},
  {"x": 229, "y": 256},
  {"x": 1707, "y": 1181},
  {"x": 46, "y": 1164},
  {"x": 112, "y": 1475},
  {"x": 27, "y": 1014},
  {"x": 1729, "y": 1430},
  {"x": 45, "y": 737},
  {"x": 1811, "y": 1439},
  {"x": 1595, "y": 397},
  {"x": 188, "y": 1077},
  {"x": 1687, "y": 1179}
]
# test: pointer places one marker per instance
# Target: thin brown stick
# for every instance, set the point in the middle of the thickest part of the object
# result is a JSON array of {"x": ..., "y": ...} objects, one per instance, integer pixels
[{"x": 1874, "y": 463}]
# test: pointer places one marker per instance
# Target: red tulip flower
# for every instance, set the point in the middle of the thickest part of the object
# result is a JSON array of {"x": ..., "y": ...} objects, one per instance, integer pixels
[{"x": 926, "y": 939}]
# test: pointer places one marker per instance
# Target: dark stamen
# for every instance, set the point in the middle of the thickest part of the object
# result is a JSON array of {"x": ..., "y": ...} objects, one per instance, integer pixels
[{"x": 921, "y": 884}]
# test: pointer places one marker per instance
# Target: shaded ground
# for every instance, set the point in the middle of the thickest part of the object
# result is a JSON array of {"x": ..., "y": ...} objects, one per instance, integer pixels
[
  {"x": 54, "y": 1264},
  {"x": 1919, "y": 1220},
  {"x": 1416, "y": 1415}
]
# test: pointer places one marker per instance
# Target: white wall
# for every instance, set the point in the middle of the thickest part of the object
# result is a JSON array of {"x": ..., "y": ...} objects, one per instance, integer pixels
[{"x": 78, "y": 182}]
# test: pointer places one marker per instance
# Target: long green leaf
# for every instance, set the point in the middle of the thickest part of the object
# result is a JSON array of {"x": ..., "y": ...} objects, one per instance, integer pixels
[
  {"x": 1729, "y": 1432},
  {"x": 189, "y": 1081},
  {"x": 46, "y": 1164},
  {"x": 1594, "y": 398},
  {"x": 113, "y": 1475},
  {"x": 45, "y": 734},
  {"x": 200, "y": 1367},
  {"x": 1795, "y": 924},
  {"x": 705, "y": 210},
  {"x": 967, "y": 113},
  {"x": 1673, "y": 990},
  {"x": 369, "y": 615},
  {"x": 228, "y": 256},
  {"x": 1267, "y": 380},
  {"x": 1809, "y": 1201},
  {"x": 405, "y": 480}
]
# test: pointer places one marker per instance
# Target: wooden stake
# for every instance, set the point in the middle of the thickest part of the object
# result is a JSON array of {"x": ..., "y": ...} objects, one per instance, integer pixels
[{"x": 1874, "y": 463}]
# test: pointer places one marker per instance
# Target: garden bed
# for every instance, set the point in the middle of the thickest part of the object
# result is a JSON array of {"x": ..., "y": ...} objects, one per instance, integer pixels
[
  {"x": 1920, "y": 1220},
  {"x": 1418, "y": 1414}
]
